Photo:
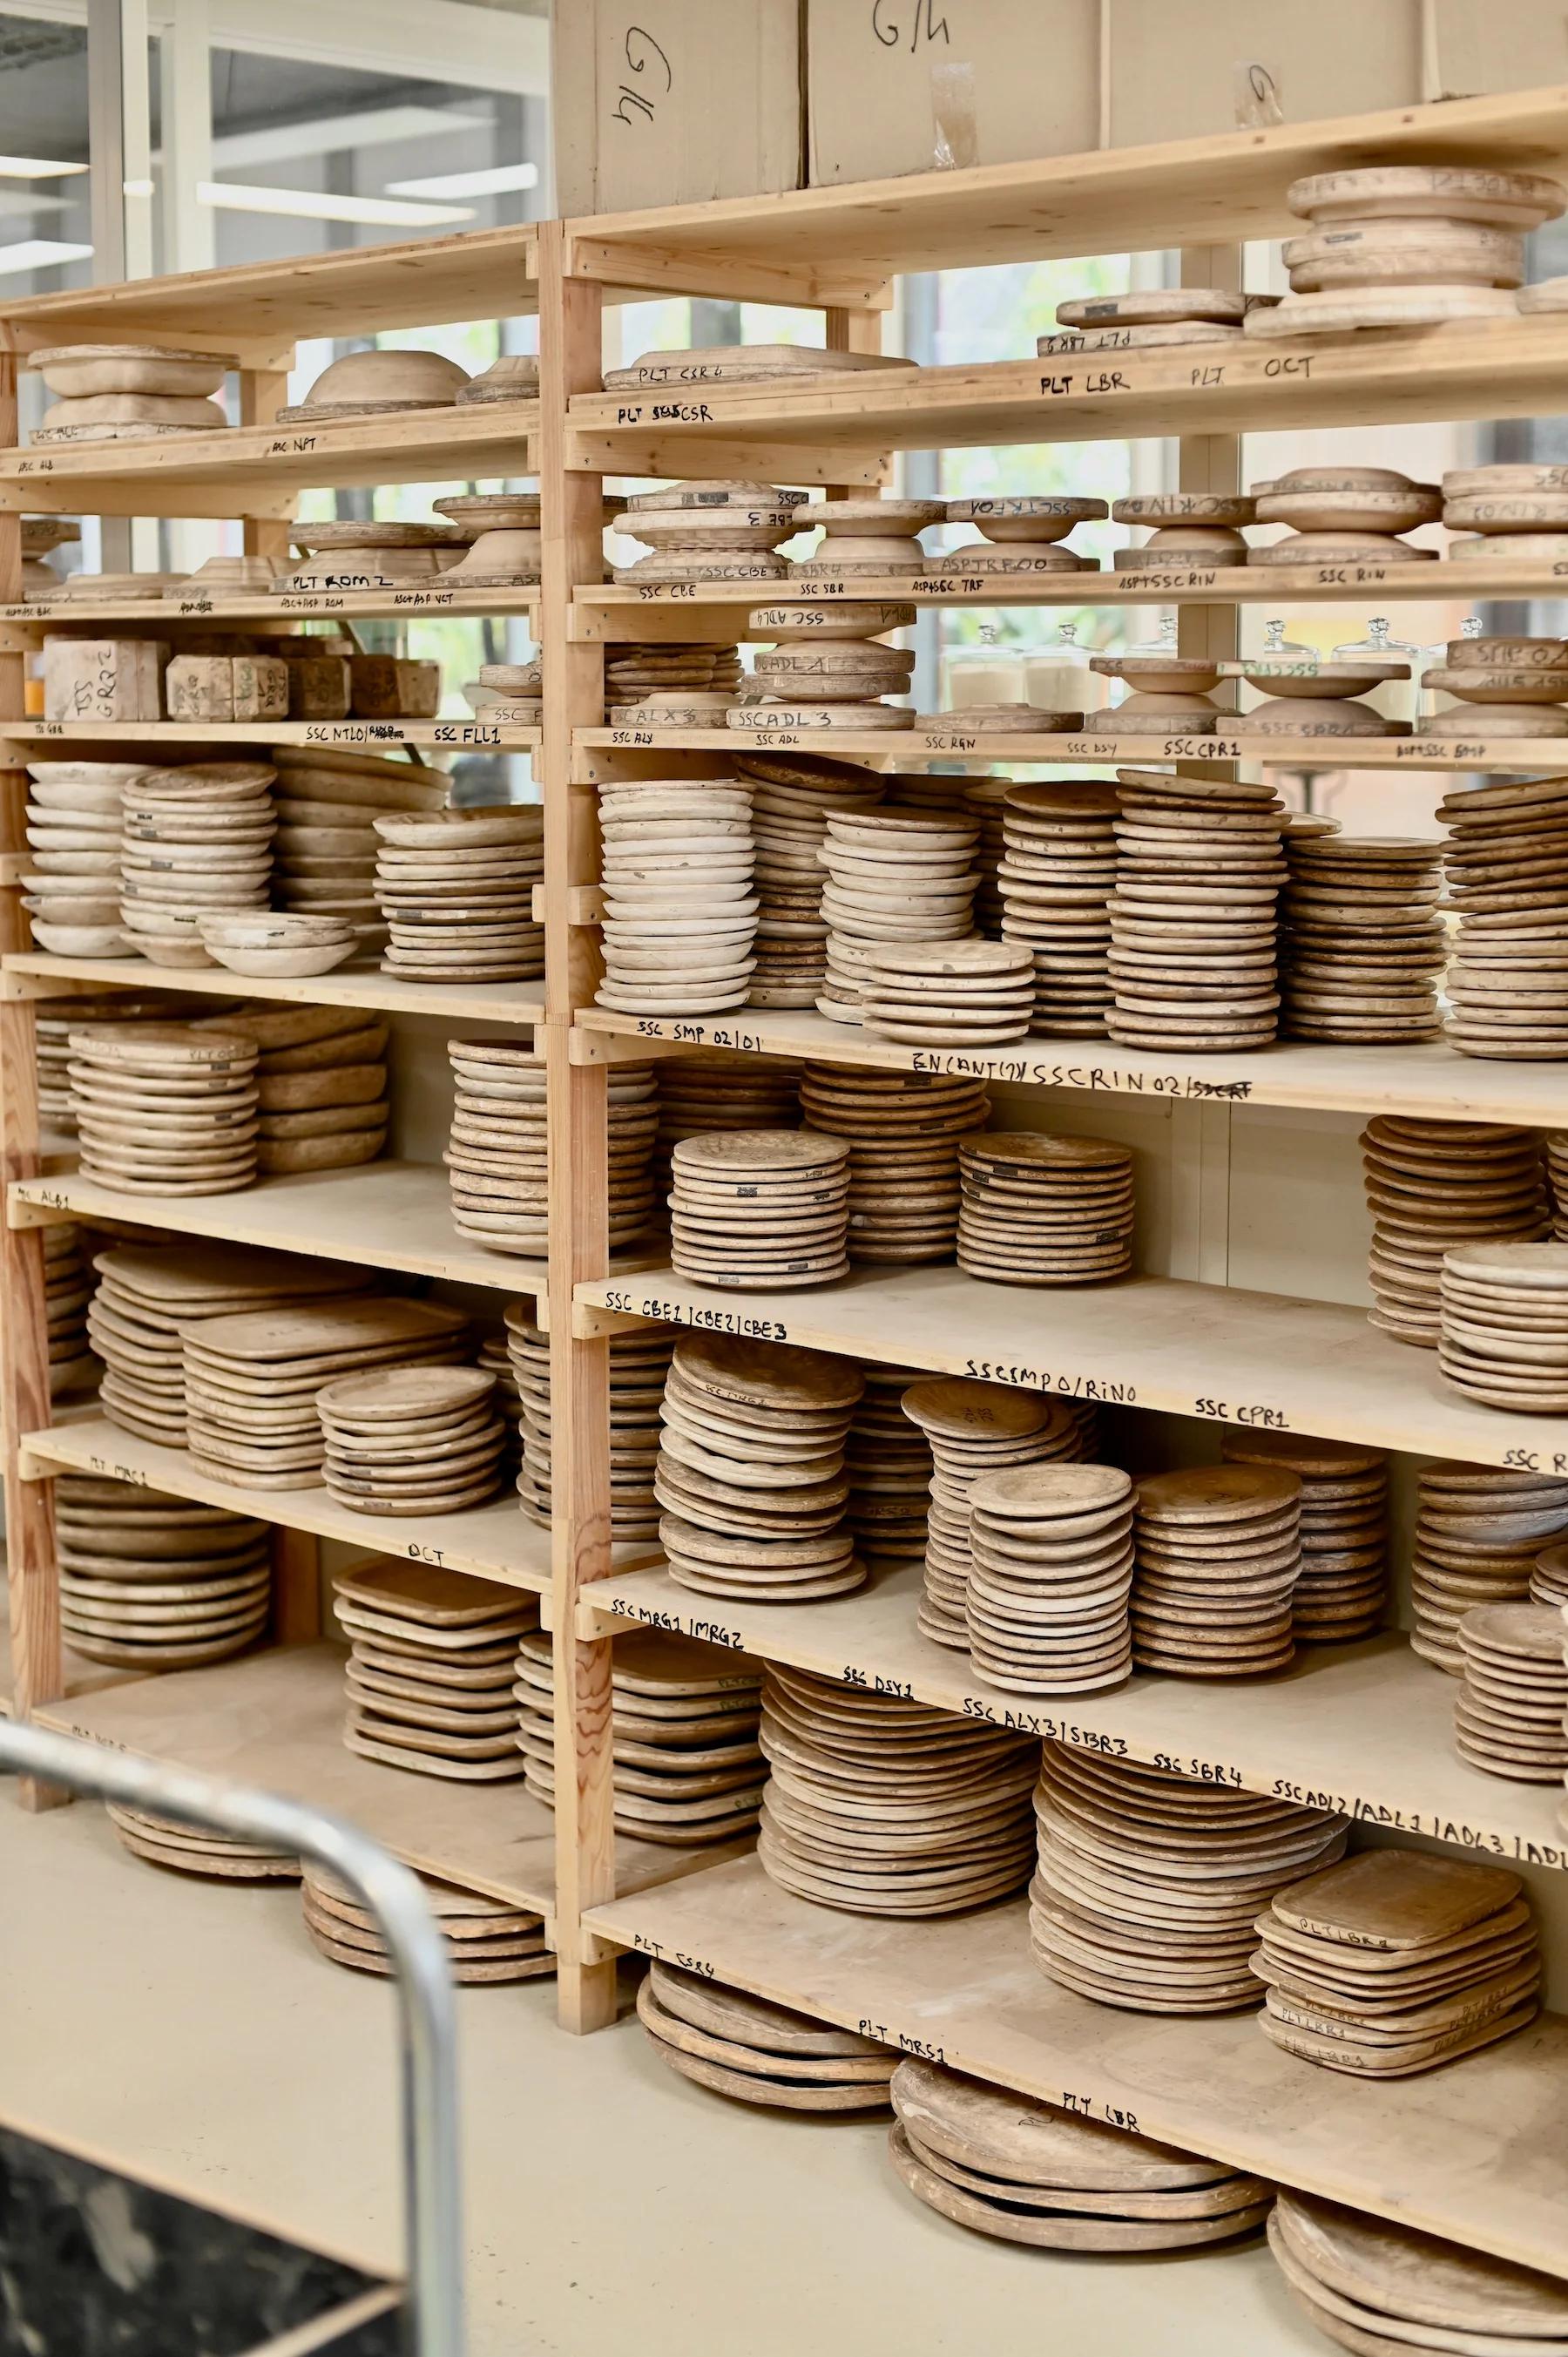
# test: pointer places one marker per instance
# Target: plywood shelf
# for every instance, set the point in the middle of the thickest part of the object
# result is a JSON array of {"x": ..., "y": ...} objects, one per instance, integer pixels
[
  {"x": 1236, "y": 1357},
  {"x": 1477, "y": 2151},
  {"x": 359, "y": 736},
  {"x": 902, "y": 747},
  {"x": 516, "y": 1003},
  {"x": 1367, "y": 1730},
  {"x": 281, "y": 613}
]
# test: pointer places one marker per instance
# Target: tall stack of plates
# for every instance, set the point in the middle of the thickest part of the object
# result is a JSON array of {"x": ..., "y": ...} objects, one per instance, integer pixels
[
  {"x": 973, "y": 1428},
  {"x": 164, "y": 1108},
  {"x": 327, "y": 803},
  {"x": 75, "y": 823},
  {"x": 321, "y": 1085},
  {"x": 1479, "y": 1530},
  {"x": 198, "y": 842},
  {"x": 148, "y": 1582},
  {"x": 496, "y": 1154},
  {"x": 639, "y": 1364},
  {"x": 429, "y": 1672},
  {"x": 456, "y": 890}
]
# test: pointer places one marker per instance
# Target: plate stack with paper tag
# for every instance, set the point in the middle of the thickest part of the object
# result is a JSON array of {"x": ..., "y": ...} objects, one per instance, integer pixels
[
  {"x": 1049, "y": 1577},
  {"x": 1218, "y": 1552},
  {"x": 496, "y": 1156},
  {"x": 1507, "y": 865},
  {"x": 742, "y": 2046},
  {"x": 1341, "y": 1589},
  {"x": 1397, "y": 1960},
  {"x": 897, "y": 876},
  {"x": 324, "y": 855},
  {"x": 760, "y": 1209},
  {"x": 639, "y": 1364},
  {"x": 679, "y": 909},
  {"x": 164, "y": 1108},
  {"x": 974, "y": 1429},
  {"x": 149, "y": 1582},
  {"x": 1503, "y": 1325},
  {"x": 413, "y": 1441},
  {"x": 1381, "y": 2289},
  {"x": 792, "y": 797},
  {"x": 486, "y": 1940},
  {"x": 456, "y": 890},
  {"x": 430, "y": 1669},
  {"x": 321, "y": 1085},
  {"x": 1037, "y": 1209},
  {"x": 903, "y": 1130},
  {"x": 1192, "y": 921},
  {"x": 198, "y": 842},
  {"x": 1435, "y": 1185},
  {"x": 1479, "y": 1530},
  {"x": 1510, "y": 1719},
  {"x": 1057, "y": 871}
]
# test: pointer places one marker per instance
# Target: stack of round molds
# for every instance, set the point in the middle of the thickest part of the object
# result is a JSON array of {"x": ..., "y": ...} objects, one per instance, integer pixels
[
  {"x": 1024, "y": 534},
  {"x": 75, "y": 821},
  {"x": 828, "y": 668},
  {"x": 893, "y": 876},
  {"x": 904, "y": 1130},
  {"x": 1517, "y": 515},
  {"x": 1406, "y": 246},
  {"x": 366, "y": 553},
  {"x": 794, "y": 795},
  {"x": 719, "y": 530},
  {"x": 867, "y": 539},
  {"x": 129, "y": 392},
  {"x": 1057, "y": 872},
  {"x": 1190, "y": 531},
  {"x": 647, "y": 681},
  {"x": 1330, "y": 700},
  {"x": 197, "y": 843},
  {"x": 456, "y": 889},
  {"x": 1344, "y": 515},
  {"x": 504, "y": 542},
  {"x": 1168, "y": 696},
  {"x": 639, "y": 1363},
  {"x": 680, "y": 913},
  {"x": 1148, "y": 317},
  {"x": 1503, "y": 687}
]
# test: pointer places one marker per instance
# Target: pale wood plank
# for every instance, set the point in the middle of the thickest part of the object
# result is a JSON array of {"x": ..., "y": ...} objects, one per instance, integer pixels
[{"x": 517, "y": 1003}]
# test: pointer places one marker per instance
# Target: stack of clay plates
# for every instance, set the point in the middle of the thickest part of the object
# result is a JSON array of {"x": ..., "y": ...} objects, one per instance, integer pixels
[
  {"x": 1507, "y": 863},
  {"x": 1518, "y": 513},
  {"x": 1218, "y": 1550},
  {"x": 67, "y": 1292},
  {"x": 634, "y": 672},
  {"x": 1192, "y": 531},
  {"x": 1500, "y": 688},
  {"x": 972, "y": 994},
  {"x": 485, "y": 1939},
  {"x": 429, "y": 1675},
  {"x": 251, "y": 1381},
  {"x": 639, "y": 1365},
  {"x": 191, "y": 1849},
  {"x": 750, "y": 1472},
  {"x": 1023, "y": 532},
  {"x": 1433, "y": 1184},
  {"x": 1147, "y": 318},
  {"x": 742, "y": 2046},
  {"x": 1037, "y": 1209},
  {"x": 692, "y": 366},
  {"x": 149, "y": 1295},
  {"x": 495, "y": 1358},
  {"x": 510, "y": 695},
  {"x": 1168, "y": 696},
  {"x": 1361, "y": 944},
  {"x": 893, "y": 876},
  {"x": 57, "y": 1018},
  {"x": 1149, "y": 1883},
  {"x": 866, "y": 539},
  {"x": 198, "y": 842},
  {"x": 1477, "y": 1535},
  {"x": 129, "y": 392},
  {"x": 715, "y": 530},
  {"x": 279, "y": 943},
  {"x": 378, "y": 383},
  {"x": 880, "y": 1806},
  {"x": 164, "y": 1108},
  {"x": 986, "y": 800},
  {"x": 1193, "y": 923},
  {"x": 1013, "y": 2167},
  {"x": 321, "y": 1083},
  {"x": 413, "y": 1441},
  {"x": 903, "y": 1131},
  {"x": 760, "y": 1210},
  {"x": 1510, "y": 1717},
  {"x": 1379, "y": 2288},
  {"x": 1341, "y": 1589},
  {"x": 359, "y": 554},
  {"x": 501, "y": 529},
  {"x": 685, "y": 1762},
  {"x": 697, "y": 1093},
  {"x": 828, "y": 668},
  {"x": 792, "y": 797},
  {"x": 1051, "y": 1574},
  {"x": 1503, "y": 1325},
  {"x": 75, "y": 824},
  {"x": 1344, "y": 515},
  {"x": 974, "y": 1430},
  {"x": 497, "y": 1151},
  {"x": 1396, "y": 1962},
  {"x": 456, "y": 889},
  {"x": 325, "y": 852},
  {"x": 1330, "y": 700},
  {"x": 1406, "y": 246},
  {"x": 1055, "y": 877},
  {"x": 680, "y": 908},
  {"x": 890, "y": 1463},
  {"x": 1549, "y": 1577},
  {"x": 153, "y": 1583}
]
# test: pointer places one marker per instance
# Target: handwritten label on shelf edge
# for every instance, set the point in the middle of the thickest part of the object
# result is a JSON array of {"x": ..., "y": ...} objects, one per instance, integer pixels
[
  {"x": 678, "y": 1313},
  {"x": 674, "y": 1623},
  {"x": 1038, "y": 1071},
  {"x": 114, "y": 1471}
]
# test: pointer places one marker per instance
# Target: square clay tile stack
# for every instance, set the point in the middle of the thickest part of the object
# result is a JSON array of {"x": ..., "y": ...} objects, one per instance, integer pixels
[{"x": 430, "y": 1669}]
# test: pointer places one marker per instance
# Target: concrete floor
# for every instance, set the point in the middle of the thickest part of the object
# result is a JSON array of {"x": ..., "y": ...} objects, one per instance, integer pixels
[{"x": 188, "y": 2032}]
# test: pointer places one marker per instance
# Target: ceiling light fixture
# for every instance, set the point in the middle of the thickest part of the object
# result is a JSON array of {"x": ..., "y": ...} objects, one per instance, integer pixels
[
  {"x": 39, "y": 254},
  {"x": 497, "y": 180},
  {"x": 310, "y": 204},
  {"x": 34, "y": 167}
]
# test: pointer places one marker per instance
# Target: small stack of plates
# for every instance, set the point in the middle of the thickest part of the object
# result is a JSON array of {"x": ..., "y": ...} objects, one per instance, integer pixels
[
  {"x": 717, "y": 530},
  {"x": 148, "y": 1582},
  {"x": 1193, "y": 925},
  {"x": 198, "y": 842},
  {"x": 191, "y": 1849},
  {"x": 634, "y": 671},
  {"x": 164, "y": 1108},
  {"x": 1037, "y": 1209},
  {"x": 760, "y": 1209},
  {"x": 880, "y": 1806},
  {"x": 828, "y": 667},
  {"x": 485, "y": 1938},
  {"x": 1511, "y": 1716},
  {"x": 1382, "y": 2290},
  {"x": 456, "y": 889},
  {"x": 1218, "y": 1550},
  {"x": 75, "y": 823},
  {"x": 430, "y": 1669},
  {"x": 1147, "y": 318},
  {"x": 1361, "y": 945},
  {"x": 1434, "y": 1184},
  {"x": 679, "y": 909},
  {"x": 794, "y": 795},
  {"x": 496, "y": 1154},
  {"x": 1398, "y": 1961},
  {"x": 870, "y": 538},
  {"x": 639, "y": 1364},
  {"x": 742, "y": 2046},
  {"x": 697, "y": 1093},
  {"x": 974, "y": 1429},
  {"x": 1341, "y": 1589},
  {"x": 68, "y": 1291},
  {"x": 890, "y": 1463},
  {"x": 1057, "y": 870},
  {"x": 413, "y": 1441},
  {"x": 1503, "y": 1325},
  {"x": 973, "y": 993},
  {"x": 1478, "y": 1531},
  {"x": 750, "y": 1471},
  {"x": 1008, "y": 2165},
  {"x": 1507, "y": 865},
  {"x": 321, "y": 1084},
  {"x": 903, "y": 1130},
  {"x": 1024, "y": 532},
  {"x": 893, "y": 876},
  {"x": 324, "y": 855},
  {"x": 1049, "y": 1576}
]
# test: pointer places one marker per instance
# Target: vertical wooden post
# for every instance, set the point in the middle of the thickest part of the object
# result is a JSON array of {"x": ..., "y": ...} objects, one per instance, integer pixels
[
  {"x": 263, "y": 393},
  {"x": 1210, "y": 462},
  {"x": 297, "y": 1585},
  {"x": 850, "y": 331},
  {"x": 570, "y": 329}
]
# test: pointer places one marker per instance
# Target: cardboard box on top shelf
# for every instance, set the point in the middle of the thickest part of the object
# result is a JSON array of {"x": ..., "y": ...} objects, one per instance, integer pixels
[{"x": 674, "y": 101}]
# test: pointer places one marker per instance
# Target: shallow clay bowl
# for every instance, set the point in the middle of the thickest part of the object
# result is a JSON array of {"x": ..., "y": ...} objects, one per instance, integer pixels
[
  {"x": 474, "y": 513},
  {"x": 81, "y": 940},
  {"x": 76, "y": 370},
  {"x": 285, "y": 963},
  {"x": 363, "y": 383}
]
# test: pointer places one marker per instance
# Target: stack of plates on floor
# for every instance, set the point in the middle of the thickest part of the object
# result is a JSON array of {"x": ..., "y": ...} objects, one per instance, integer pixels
[
  {"x": 1341, "y": 1589},
  {"x": 639, "y": 1364},
  {"x": 153, "y": 1583},
  {"x": 1150, "y": 1883},
  {"x": 720, "y": 530},
  {"x": 1398, "y": 1961},
  {"x": 413, "y": 1441},
  {"x": 828, "y": 668},
  {"x": 67, "y": 1292},
  {"x": 485, "y": 1939},
  {"x": 1477, "y": 1535},
  {"x": 1381, "y": 2289},
  {"x": 679, "y": 909},
  {"x": 1010, "y": 2165},
  {"x": 251, "y": 1381},
  {"x": 1055, "y": 880},
  {"x": 1432, "y": 1185},
  {"x": 321, "y": 1084},
  {"x": 1509, "y": 1719},
  {"x": 792, "y": 797},
  {"x": 191, "y": 1849},
  {"x": 430, "y": 1669},
  {"x": 455, "y": 888},
  {"x": 903, "y": 1131},
  {"x": 75, "y": 823},
  {"x": 1193, "y": 930},
  {"x": 974, "y": 1429},
  {"x": 760, "y": 1209},
  {"x": 697, "y": 1093},
  {"x": 1049, "y": 1577},
  {"x": 973, "y": 993},
  {"x": 686, "y": 1764},
  {"x": 1503, "y": 1312},
  {"x": 884, "y": 1807},
  {"x": 750, "y": 1471},
  {"x": 1037, "y": 1209},
  {"x": 888, "y": 1460},
  {"x": 742, "y": 2046},
  {"x": 1507, "y": 863},
  {"x": 1361, "y": 945},
  {"x": 497, "y": 1155},
  {"x": 633, "y": 671},
  {"x": 198, "y": 842},
  {"x": 1218, "y": 1552},
  {"x": 893, "y": 876},
  {"x": 324, "y": 858},
  {"x": 150, "y": 1294},
  {"x": 164, "y": 1108}
]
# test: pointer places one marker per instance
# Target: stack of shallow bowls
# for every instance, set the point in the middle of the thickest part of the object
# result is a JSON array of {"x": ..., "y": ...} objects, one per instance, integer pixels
[
  {"x": 273, "y": 942},
  {"x": 197, "y": 843},
  {"x": 129, "y": 392},
  {"x": 75, "y": 821},
  {"x": 456, "y": 887}
]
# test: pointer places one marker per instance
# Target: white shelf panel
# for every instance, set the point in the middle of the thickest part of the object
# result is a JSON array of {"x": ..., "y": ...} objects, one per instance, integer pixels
[{"x": 517, "y": 1003}]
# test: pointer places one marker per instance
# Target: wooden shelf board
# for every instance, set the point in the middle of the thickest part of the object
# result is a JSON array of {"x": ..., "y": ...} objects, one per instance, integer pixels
[
  {"x": 1237, "y": 1357},
  {"x": 282, "y": 612},
  {"x": 362, "y": 736},
  {"x": 390, "y": 1215},
  {"x": 387, "y": 993},
  {"x": 1478, "y": 2151},
  {"x": 1367, "y": 1730},
  {"x": 904, "y": 746}
]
